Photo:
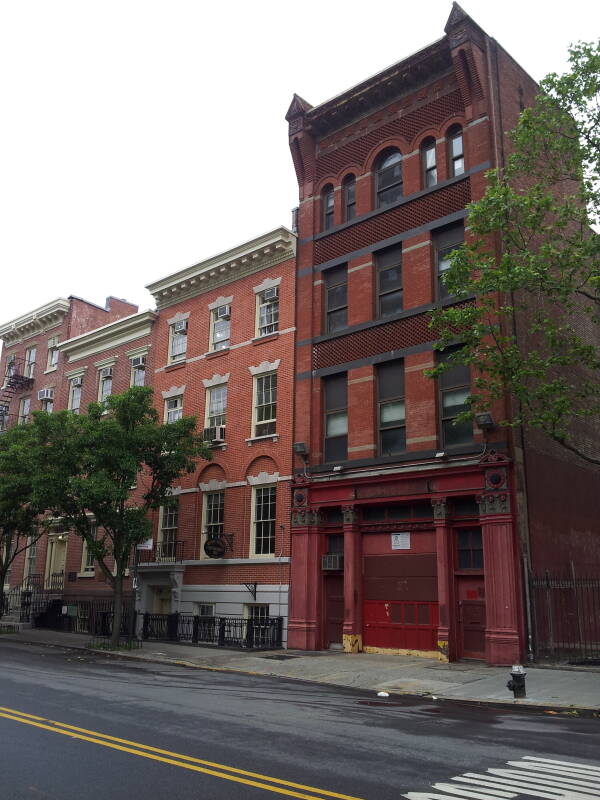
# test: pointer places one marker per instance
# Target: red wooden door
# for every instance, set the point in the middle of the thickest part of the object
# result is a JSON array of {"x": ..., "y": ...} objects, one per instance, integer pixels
[
  {"x": 471, "y": 617},
  {"x": 334, "y": 609}
]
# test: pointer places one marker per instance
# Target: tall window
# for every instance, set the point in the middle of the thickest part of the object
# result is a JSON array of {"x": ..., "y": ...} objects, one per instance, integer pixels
[
  {"x": 335, "y": 389},
  {"x": 48, "y": 405},
  {"x": 24, "y": 407},
  {"x": 429, "y": 163},
  {"x": 265, "y": 412},
  {"x": 336, "y": 298},
  {"x": 349, "y": 189},
  {"x": 30, "y": 356},
  {"x": 470, "y": 549},
  {"x": 389, "y": 178},
  {"x": 168, "y": 533},
  {"x": 389, "y": 280},
  {"x": 87, "y": 560},
  {"x": 214, "y": 510},
  {"x": 445, "y": 240},
  {"x": 52, "y": 353},
  {"x": 327, "y": 200},
  {"x": 173, "y": 409},
  {"x": 456, "y": 156},
  {"x": 392, "y": 416},
  {"x": 30, "y": 562},
  {"x": 105, "y": 384},
  {"x": 138, "y": 371},
  {"x": 454, "y": 388},
  {"x": 178, "y": 340},
  {"x": 217, "y": 406},
  {"x": 75, "y": 394},
  {"x": 264, "y": 520},
  {"x": 267, "y": 311},
  {"x": 220, "y": 328}
]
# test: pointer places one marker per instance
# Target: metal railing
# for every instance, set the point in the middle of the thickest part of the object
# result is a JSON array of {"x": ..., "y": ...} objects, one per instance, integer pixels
[
  {"x": 84, "y": 616},
  {"x": 163, "y": 553},
  {"x": 566, "y": 615},
  {"x": 255, "y": 634},
  {"x": 55, "y": 582}
]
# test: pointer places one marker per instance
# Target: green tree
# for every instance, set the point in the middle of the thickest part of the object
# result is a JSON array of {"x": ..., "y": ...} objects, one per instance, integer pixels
[
  {"x": 18, "y": 512},
  {"x": 88, "y": 464},
  {"x": 533, "y": 329}
]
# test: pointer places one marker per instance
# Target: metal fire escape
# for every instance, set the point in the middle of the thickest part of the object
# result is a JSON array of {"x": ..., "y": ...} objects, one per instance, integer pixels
[{"x": 15, "y": 381}]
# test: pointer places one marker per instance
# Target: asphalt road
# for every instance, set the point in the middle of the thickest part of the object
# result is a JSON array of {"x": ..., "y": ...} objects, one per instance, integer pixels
[{"x": 101, "y": 727}]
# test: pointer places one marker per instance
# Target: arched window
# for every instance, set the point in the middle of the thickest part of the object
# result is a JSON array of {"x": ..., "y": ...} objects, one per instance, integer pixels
[
  {"x": 389, "y": 178},
  {"x": 327, "y": 206},
  {"x": 456, "y": 155},
  {"x": 349, "y": 187},
  {"x": 429, "y": 163}
]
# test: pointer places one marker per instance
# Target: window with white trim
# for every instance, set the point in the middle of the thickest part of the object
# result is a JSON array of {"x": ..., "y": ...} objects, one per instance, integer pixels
[
  {"x": 48, "y": 405},
  {"x": 265, "y": 408},
  {"x": 263, "y": 522},
  {"x": 105, "y": 378},
  {"x": 178, "y": 332},
  {"x": 216, "y": 406},
  {"x": 24, "y": 408},
  {"x": 267, "y": 311},
  {"x": 30, "y": 562},
  {"x": 168, "y": 534},
  {"x": 87, "y": 557},
  {"x": 75, "y": 385},
  {"x": 30, "y": 357},
  {"x": 456, "y": 153},
  {"x": 138, "y": 371},
  {"x": 52, "y": 354},
  {"x": 220, "y": 328},
  {"x": 213, "y": 515},
  {"x": 173, "y": 409},
  {"x": 205, "y": 609}
]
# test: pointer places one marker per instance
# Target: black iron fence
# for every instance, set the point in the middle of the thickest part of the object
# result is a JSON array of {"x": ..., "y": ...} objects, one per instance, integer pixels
[
  {"x": 81, "y": 615},
  {"x": 24, "y": 602},
  {"x": 566, "y": 617},
  {"x": 255, "y": 634}
]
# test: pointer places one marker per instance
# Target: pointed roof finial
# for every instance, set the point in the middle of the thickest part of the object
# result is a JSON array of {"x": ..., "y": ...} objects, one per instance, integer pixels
[
  {"x": 457, "y": 15},
  {"x": 298, "y": 107}
]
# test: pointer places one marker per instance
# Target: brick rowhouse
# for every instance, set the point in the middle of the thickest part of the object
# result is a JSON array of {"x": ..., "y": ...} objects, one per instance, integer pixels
[
  {"x": 409, "y": 534},
  {"x": 223, "y": 350}
]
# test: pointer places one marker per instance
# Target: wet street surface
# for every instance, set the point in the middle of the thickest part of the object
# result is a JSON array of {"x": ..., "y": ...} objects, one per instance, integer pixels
[{"x": 75, "y": 725}]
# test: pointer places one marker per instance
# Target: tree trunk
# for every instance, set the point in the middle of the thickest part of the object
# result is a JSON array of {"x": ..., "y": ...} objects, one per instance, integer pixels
[
  {"x": 117, "y": 611},
  {"x": 2, "y": 577}
]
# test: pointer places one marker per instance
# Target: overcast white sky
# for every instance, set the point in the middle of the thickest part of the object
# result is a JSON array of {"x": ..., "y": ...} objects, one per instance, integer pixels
[{"x": 141, "y": 136}]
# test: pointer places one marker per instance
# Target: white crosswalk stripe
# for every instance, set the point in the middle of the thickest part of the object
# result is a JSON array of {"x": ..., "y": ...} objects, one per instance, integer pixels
[{"x": 531, "y": 776}]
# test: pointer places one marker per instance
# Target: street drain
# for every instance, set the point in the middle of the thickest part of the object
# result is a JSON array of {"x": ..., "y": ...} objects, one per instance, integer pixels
[{"x": 280, "y": 658}]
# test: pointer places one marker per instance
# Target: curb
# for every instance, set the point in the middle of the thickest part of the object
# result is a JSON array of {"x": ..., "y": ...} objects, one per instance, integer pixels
[{"x": 582, "y": 712}]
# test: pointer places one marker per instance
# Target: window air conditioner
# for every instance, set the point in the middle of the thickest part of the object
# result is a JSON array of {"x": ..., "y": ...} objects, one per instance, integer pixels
[
  {"x": 139, "y": 362},
  {"x": 271, "y": 294},
  {"x": 46, "y": 394},
  {"x": 106, "y": 372},
  {"x": 209, "y": 434},
  {"x": 223, "y": 312},
  {"x": 181, "y": 326},
  {"x": 333, "y": 561},
  {"x": 219, "y": 433},
  {"x": 77, "y": 381}
]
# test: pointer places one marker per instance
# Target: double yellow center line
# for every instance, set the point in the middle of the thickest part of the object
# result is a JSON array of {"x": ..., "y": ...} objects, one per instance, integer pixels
[{"x": 234, "y": 774}]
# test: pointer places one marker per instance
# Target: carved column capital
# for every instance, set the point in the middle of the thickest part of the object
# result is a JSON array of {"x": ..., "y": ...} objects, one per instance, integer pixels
[
  {"x": 494, "y": 503},
  {"x": 440, "y": 508},
  {"x": 349, "y": 515}
]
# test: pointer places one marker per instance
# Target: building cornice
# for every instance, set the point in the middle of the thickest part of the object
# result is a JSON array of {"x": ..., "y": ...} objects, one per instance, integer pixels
[
  {"x": 108, "y": 336},
  {"x": 34, "y": 322},
  {"x": 261, "y": 253}
]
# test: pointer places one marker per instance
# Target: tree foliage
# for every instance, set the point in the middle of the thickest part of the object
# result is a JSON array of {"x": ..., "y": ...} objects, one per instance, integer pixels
[
  {"x": 533, "y": 328},
  {"x": 18, "y": 512},
  {"x": 103, "y": 472}
]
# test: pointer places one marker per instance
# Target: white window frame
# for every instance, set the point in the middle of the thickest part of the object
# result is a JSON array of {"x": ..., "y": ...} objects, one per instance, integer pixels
[
  {"x": 53, "y": 352},
  {"x": 256, "y": 490},
  {"x": 135, "y": 370},
  {"x": 270, "y": 307},
  {"x": 75, "y": 392},
  {"x": 48, "y": 406},
  {"x": 199, "y": 606},
  {"x": 175, "y": 412},
  {"x": 168, "y": 522},
  {"x": 29, "y": 361},
  {"x": 205, "y": 523},
  {"x": 177, "y": 352},
  {"x": 255, "y": 407},
  {"x": 102, "y": 382},
  {"x": 24, "y": 409},
  {"x": 207, "y": 415},
  {"x": 222, "y": 344},
  {"x": 31, "y": 555},
  {"x": 87, "y": 570}
]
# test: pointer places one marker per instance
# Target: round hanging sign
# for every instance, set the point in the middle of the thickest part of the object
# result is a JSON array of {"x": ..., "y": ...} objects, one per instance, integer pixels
[{"x": 215, "y": 547}]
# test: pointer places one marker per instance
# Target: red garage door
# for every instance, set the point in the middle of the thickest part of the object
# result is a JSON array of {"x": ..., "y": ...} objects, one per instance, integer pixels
[{"x": 400, "y": 607}]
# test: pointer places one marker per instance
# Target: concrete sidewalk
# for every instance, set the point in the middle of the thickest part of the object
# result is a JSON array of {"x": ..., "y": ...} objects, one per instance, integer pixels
[{"x": 575, "y": 688}]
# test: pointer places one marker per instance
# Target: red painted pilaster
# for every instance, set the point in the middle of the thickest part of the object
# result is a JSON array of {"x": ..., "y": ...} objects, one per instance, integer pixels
[
  {"x": 445, "y": 580},
  {"x": 304, "y": 625},
  {"x": 501, "y": 585},
  {"x": 353, "y": 591}
]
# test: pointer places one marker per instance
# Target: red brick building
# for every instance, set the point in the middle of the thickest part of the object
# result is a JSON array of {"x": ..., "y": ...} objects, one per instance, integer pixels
[
  {"x": 409, "y": 533},
  {"x": 223, "y": 351}
]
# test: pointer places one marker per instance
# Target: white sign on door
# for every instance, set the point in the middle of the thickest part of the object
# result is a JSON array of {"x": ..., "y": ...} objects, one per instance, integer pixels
[{"x": 401, "y": 541}]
